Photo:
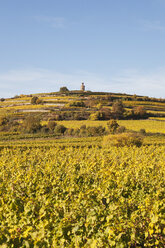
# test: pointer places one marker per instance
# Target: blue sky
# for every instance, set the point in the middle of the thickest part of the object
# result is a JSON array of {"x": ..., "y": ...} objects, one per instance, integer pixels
[{"x": 111, "y": 45}]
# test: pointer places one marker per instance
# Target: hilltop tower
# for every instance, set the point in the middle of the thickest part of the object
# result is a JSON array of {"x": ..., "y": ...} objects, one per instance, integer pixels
[{"x": 82, "y": 87}]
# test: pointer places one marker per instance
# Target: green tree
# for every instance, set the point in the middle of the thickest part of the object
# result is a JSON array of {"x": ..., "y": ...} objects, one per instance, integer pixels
[{"x": 64, "y": 89}]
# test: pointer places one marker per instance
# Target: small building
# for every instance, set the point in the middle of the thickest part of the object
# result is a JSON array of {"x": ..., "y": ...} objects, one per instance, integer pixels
[{"x": 82, "y": 87}]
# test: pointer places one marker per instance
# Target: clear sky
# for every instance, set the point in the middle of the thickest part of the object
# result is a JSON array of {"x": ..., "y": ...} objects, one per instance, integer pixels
[{"x": 111, "y": 45}]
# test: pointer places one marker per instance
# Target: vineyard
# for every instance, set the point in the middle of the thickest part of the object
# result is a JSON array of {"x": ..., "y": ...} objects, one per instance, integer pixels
[
  {"x": 152, "y": 126},
  {"x": 89, "y": 196},
  {"x": 82, "y": 124},
  {"x": 67, "y": 182}
]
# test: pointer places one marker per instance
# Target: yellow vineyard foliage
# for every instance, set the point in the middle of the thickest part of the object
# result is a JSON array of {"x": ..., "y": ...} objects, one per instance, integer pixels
[{"x": 82, "y": 196}]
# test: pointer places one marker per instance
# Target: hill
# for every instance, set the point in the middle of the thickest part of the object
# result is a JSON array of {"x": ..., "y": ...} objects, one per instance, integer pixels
[
  {"x": 78, "y": 105},
  {"x": 82, "y": 169}
]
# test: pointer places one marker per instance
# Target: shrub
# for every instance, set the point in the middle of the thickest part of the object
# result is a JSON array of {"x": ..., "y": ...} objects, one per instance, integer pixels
[
  {"x": 13, "y": 125},
  {"x": 36, "y": 100},
  {"x": 76, "y": 104},
  {"x": 139, "y": 111},
  {"x": 77, "y": 132},
  {"x": 124, "y": 139},
  {"x": 3, "y": 121},
  {"x": 51, "y": 125},
  {"x": 117, "y": 109},
  {"x": 99, "y": 106},
  {"x": 90, "y": 103},
  {"x": 112, "y": 126},
  {"x": 59, "y": 129},
  {"x": 128, "y": 114},
  {"x": 96, "y": 116},
  {"x": 44, "y": 129},
  {"x": 78, "y": 116},
  {"x": 55, "y": 117},
  {"x": 31, "y": 124},
  {"x": 142, "y": 131},
  {"x": 120, "y": 129},
  {"x": 106, "y": 113},
  {"x": 39, "y": 101},
  {"x": 69, "y": 131},
  {"x": 8, "y": 124},
  {"x": 83, "y": 127},
  {"x": 95, "y": 131},
  {"x": 83, "y": 132}
]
